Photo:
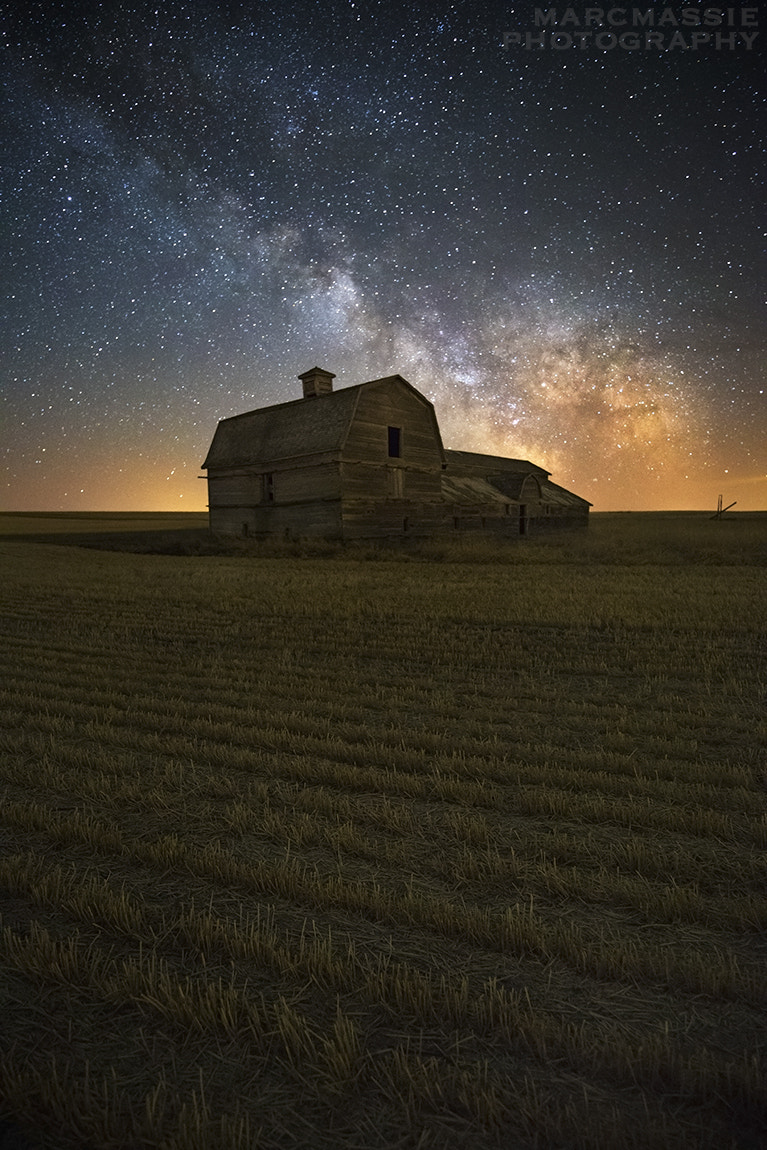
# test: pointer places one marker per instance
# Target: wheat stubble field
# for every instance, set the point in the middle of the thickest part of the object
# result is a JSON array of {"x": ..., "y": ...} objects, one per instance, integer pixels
[{"x": 455, "y": 848}]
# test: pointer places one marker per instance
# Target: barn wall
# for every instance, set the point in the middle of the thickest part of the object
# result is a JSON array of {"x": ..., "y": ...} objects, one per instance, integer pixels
[
  {"x": 301, "y": 481},
  {"x": 366, "y": 461},
  {"x": 559, "y": 519},
  {"x": 403, "y": 518},
  {"x": 239, "y": 520},
  {"x": 484, "y": 520},
  {"x": 530, "y": 494},
  {"x": 310, "y": 520},
  {"x": 387, "y": 519},
  {"x": 383, "y": 480},
  {"x": 238, "y": 489},
  {"x": 294, "y": 521},
  {"x": 300, "y": 505}
]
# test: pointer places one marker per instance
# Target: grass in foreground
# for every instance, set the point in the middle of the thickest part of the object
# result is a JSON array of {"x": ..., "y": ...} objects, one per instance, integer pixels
[
  {"x": 436, "y": 854},
  {"x": 623, "y": 538}
]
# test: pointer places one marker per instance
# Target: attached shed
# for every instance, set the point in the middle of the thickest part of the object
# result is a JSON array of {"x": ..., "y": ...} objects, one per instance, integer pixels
[
  {"x": 541, "y": 503},
  {"x": 364, "y": 462}
]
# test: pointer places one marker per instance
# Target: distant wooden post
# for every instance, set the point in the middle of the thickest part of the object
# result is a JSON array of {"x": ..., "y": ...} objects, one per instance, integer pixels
[{"x": 721, "y": 510}]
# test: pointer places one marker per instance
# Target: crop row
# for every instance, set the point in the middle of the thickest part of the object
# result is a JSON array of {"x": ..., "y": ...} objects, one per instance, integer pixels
[
  {"x": 501, "y": 1017},
  {"x": 262, "y": 800},
  {"x": 349, "y": 854},
  {"x": 413, "y": 1097},
  {"x": 630, "y": 747},
  {"x": 487, "y": 670},
  {"x": 516, "y": 929},
  {"x": 472, "y": 853},
  {"x": 543, "y": 790}
]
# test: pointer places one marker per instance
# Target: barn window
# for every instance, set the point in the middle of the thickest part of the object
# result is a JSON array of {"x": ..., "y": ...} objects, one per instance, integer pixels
[
  {"x": 269, "y": 487},
  {"x": 395, "y": 442}
]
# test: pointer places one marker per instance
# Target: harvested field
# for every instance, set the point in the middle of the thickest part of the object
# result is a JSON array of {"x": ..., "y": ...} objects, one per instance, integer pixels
[{"x": 312, "y": 846}]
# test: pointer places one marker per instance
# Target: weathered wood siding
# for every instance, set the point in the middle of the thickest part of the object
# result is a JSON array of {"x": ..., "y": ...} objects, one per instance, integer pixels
[
  {"x": 318, "y": 519},
  {"x": 293, "y": 521},
  {"x": 557, "y": 518},
  {"x": 238, "y": 489},
  {"x": 530, "y": 494},
  {"x": 366, "y": 464},
  {"x": 298, "y": 500},
  {"x": 401, "y": 518},
  {"x": 297, "y": 482},
  {"x": 375, "y": 519},
  {"x": 240, "y": 520}
]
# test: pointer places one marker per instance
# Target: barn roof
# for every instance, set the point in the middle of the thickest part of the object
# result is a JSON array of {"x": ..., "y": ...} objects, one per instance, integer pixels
[
  {"x": 474, "y": 463},
  {"x": 470, "y": 489},
  {"x": 301, "y": 427},
  {"x": 559, "y": 497},
  {"x": 507, "y": 477},
  {"x": 518, "y": 485}
]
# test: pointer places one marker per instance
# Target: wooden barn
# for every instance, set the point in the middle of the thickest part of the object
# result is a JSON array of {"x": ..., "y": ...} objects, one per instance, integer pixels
[{"x": 368, "y": 462}]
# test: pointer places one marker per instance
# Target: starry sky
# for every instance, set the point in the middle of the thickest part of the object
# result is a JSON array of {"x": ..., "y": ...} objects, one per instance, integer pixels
[{"x": 562, "y": 247}]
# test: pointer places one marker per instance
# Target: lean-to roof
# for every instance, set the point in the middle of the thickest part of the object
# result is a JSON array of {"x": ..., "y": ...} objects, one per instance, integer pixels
[{"x": 474, "y": 463}]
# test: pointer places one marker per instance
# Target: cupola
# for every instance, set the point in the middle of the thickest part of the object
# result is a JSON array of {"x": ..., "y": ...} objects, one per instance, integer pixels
[{"x": 317, "y": 382}]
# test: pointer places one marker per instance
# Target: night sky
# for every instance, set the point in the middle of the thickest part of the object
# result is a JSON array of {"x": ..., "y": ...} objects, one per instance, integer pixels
[{"x": 561, "y": 246}]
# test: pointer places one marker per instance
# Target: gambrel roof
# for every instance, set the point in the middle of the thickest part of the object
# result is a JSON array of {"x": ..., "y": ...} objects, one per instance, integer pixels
[
  {"x": 310, "y": 426},
  {"x": 284, "y": 431}
]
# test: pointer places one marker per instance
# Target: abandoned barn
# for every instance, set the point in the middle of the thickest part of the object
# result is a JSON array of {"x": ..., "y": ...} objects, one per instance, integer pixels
[{"x": 368, "y": 462}]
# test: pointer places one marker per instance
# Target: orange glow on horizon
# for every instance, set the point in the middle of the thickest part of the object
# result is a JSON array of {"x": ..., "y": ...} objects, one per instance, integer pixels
[{"x": 669, "y": 490}]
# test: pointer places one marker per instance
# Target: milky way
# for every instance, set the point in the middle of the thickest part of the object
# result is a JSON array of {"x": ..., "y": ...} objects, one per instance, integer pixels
[{"x": 561, "y": 247}]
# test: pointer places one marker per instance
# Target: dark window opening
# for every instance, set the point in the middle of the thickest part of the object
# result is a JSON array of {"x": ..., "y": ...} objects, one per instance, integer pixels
[
  {"x": 245, "y": 531},
  {"x": 405, "y": 526},
  {"x": 269, "y": 487},
  {"x": 523, "y": 519},
  {"x": 395, "y": 442}
]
